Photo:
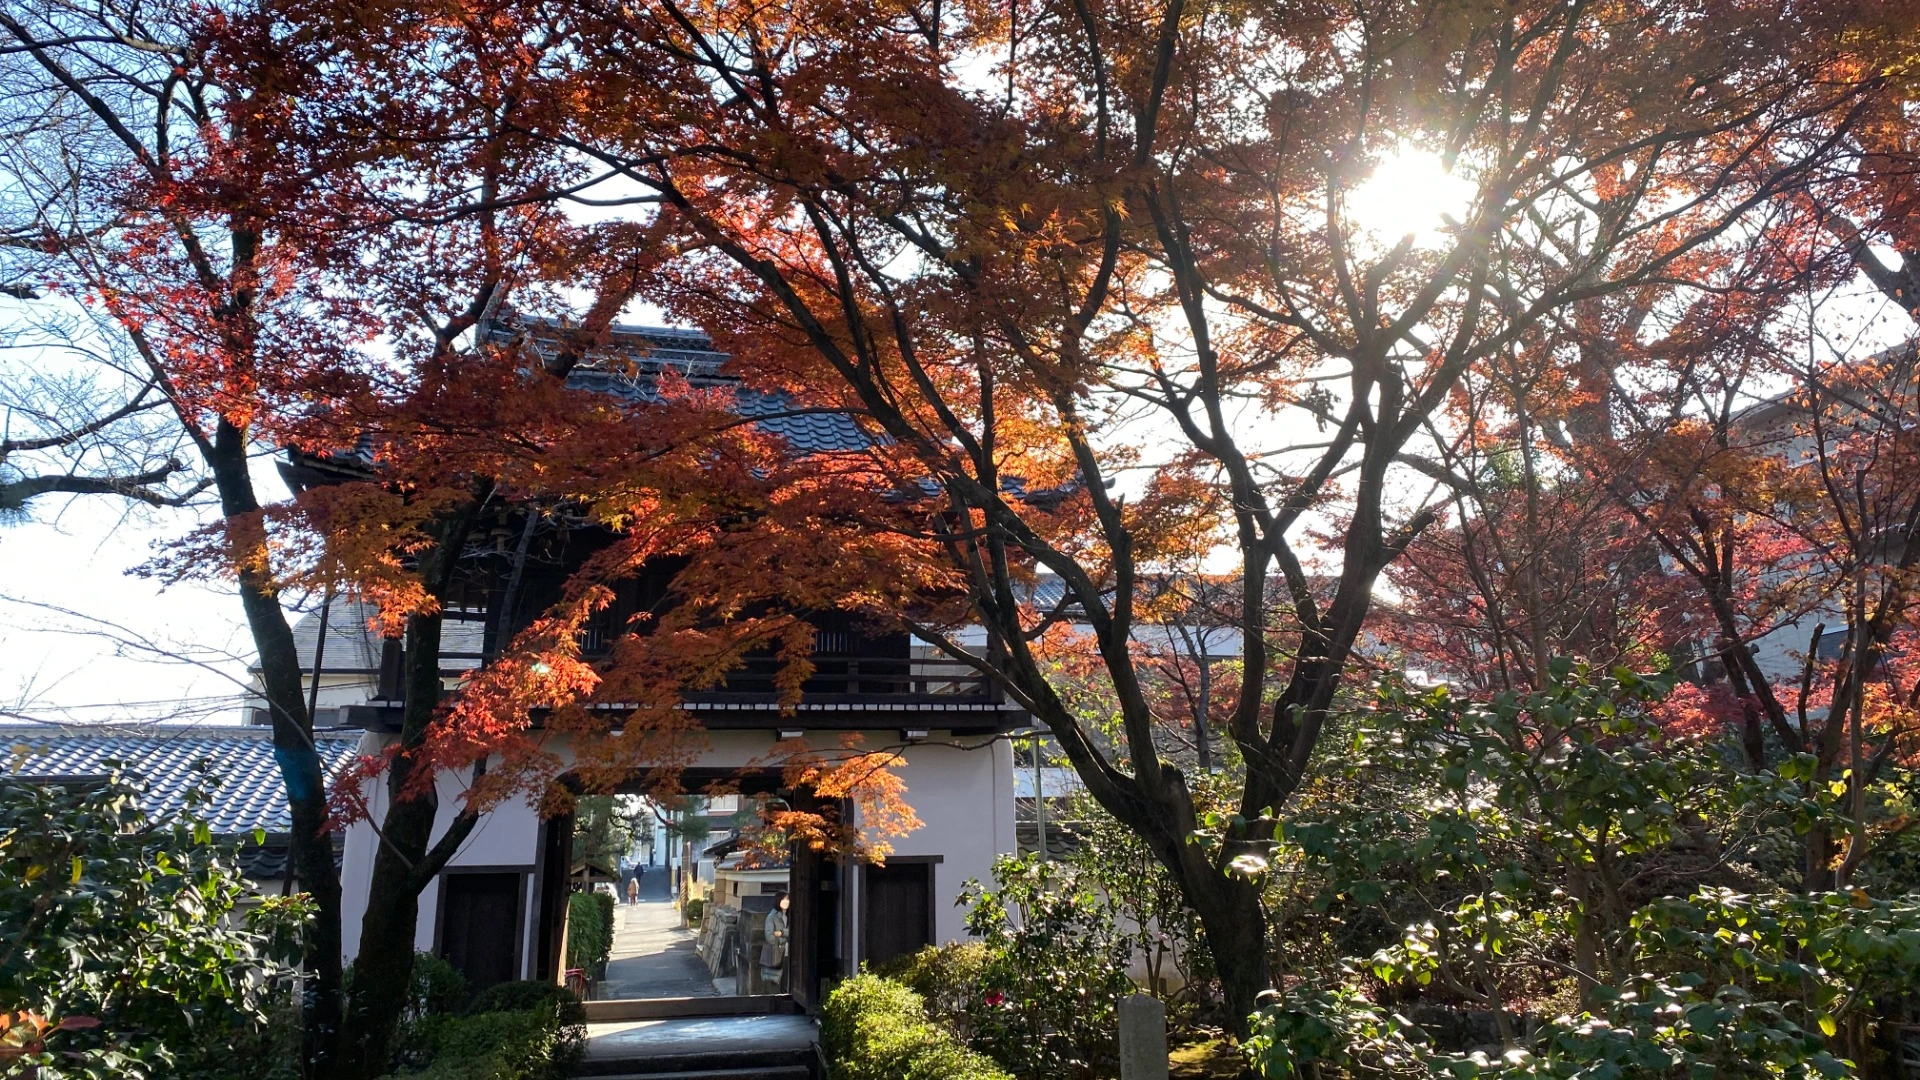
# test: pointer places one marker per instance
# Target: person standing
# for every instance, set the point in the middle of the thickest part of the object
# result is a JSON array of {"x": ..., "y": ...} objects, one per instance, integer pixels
[
  {"x": 633, "y": 889},
  {"x": 773, "y": 951}
]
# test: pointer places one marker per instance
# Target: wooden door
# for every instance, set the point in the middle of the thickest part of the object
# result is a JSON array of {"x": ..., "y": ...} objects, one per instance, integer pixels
[
  {"x": 480, "y": 926},
  {"x": 896, "y": 909}
]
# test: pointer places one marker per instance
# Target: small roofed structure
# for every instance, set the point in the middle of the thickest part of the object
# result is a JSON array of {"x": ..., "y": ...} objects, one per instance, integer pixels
[{"x": 587, "y": 874}]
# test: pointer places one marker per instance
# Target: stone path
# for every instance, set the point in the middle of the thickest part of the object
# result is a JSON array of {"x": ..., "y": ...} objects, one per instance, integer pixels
[{"x": 653, "y": 955}]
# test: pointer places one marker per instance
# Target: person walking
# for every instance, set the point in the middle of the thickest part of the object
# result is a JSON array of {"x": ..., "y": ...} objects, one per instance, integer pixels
[{"x": 633, "y": 889}]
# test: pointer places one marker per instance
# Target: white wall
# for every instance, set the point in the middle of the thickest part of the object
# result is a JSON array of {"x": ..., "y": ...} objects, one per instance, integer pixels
[
  {"x": 963, "y": 797},
  {"x": 507, "y": 837}
]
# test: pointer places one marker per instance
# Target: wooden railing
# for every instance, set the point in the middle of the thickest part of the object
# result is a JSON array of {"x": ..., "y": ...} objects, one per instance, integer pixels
[
  {"x": 862, "y": 679},
  {"x": 836, "y": 679}
]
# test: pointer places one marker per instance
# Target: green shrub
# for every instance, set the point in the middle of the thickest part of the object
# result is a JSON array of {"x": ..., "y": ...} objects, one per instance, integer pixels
[
  {"x": 696, "y": 908},
  {"x": 589, "y": 936},
  {"x": 530, "y": 995},
  {"x": 130, "y": 940},
  {"x": 605, "y": 907},
  {"x": 513, "y": 1031},
  {"x": 877, "y": 1029},
  {"x": 950, "y": 979},
  {"x": 1046, "y": 1001},
  {"x": 435, "y": 987}
]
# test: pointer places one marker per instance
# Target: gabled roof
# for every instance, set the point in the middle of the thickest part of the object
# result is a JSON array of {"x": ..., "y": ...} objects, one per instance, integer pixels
[
  {"x": 805, "y": 432},
  {"x": 249, "y": 794},
  {"x": 647, "y": 350}
]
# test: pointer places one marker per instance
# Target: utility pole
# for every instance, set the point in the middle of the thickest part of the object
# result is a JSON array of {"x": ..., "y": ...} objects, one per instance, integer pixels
[{"x": 1039, "y": 797}]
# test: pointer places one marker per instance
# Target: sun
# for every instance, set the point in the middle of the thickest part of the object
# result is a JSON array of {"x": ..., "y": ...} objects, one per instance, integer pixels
[{"x": 1411, "y": 192}]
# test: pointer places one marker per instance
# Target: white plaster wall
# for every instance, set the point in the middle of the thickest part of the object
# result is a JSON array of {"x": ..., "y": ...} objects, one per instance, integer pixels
[
  {"x": 1782, "y": 654},
  {"x": 963, "y": 797},
  {"x": 506, "y": 837}
]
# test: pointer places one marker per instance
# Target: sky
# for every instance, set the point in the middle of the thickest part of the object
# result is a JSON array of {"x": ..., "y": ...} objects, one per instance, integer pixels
[{"x": 82, "y": 640}]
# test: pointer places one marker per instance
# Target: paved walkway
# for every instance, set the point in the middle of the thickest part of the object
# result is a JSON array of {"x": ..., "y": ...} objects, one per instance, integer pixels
[{"x": 653, "y": 955}]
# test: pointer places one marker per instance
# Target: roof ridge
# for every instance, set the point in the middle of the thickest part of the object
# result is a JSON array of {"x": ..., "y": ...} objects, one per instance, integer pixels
[{"x": 115, "y": 729}]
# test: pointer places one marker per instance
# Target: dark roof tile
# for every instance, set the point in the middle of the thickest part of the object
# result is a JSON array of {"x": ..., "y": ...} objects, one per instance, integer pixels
[{"x": 249, "y": 795}]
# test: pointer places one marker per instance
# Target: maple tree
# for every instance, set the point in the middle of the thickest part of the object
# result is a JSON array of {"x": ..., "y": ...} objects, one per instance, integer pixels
[
  {"x": 1556, "y": 452},
  {"x": 1714, "y": 494},
  {"x": 1524, "y": 567},
  {"x": 181, "y": 286},
  {"x": 999, "y": 234},
  {"x": 1094, "y": 278},
  {"x": 1794, "y": 524},
  {"x": 280, "y": 287}
]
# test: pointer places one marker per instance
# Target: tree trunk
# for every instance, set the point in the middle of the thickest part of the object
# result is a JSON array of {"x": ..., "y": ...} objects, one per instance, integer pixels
[
  {"x": 310, "y": 841},
  {"x": 400, "y": 872},
  {"x": 1817, "y": 875},
  {"x": 409, "y": 857},
  {"x": 1229, "y": 908},
  {"x": 1235, "y": 924}
]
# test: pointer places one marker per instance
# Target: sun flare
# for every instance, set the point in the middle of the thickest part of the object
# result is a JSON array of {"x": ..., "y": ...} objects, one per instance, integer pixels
[{"x": 1410, "y": 193}]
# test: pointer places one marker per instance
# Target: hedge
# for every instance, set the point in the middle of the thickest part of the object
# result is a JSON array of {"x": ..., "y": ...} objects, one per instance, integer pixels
[
  {"x": 531, "y": 995},
  {"x": 589, "y": 932},
  {"x": 877, "y": 1029},
  {"x": 512, "y": 1031}
]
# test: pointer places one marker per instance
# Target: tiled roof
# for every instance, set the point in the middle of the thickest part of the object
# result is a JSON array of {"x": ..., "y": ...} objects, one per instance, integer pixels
[
  {"x": 249, "y": 795},
  {"x": 807, "y": 433},
  {"x": 1063, "y": 838},
  {"x": 646, "y": 349},
  {"x": 633, "y": 356},
  {"x": 266, "y": 862}
]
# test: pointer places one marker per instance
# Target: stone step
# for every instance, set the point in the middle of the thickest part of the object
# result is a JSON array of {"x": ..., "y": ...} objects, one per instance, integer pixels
[
  {"x": 718, "y": 1066},
  {"x": 746, "y": 1047},
  {"x": 776, "y": 1073}
]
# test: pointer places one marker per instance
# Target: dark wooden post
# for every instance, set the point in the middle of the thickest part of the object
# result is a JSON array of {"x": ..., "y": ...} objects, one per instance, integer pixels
[{"x": 550, "y": 932}]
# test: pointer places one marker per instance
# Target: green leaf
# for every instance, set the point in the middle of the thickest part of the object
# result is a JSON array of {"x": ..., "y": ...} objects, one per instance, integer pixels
[{"x": 1827, "y": 1025}]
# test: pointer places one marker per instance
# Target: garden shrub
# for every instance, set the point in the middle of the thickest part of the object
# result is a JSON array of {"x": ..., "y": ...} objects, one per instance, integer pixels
[
  {"x": 696, "y": 908},
  {"x": 511, "y": 1031},
  {"x": 435, "y": 987},
  {"x": 532, "y": 995},
  {"x": 136, "y": 947},
  {"x": 604, "y": 905},
  {"x": 950, "y": 979},
  {"x": 530, "y": 1045},
  {"x": 589, "y": 934},
  {"x": 1047, "y": 1007},
  {"x": 1482, "y": 855},
  {"x": 873, "y": 1028}
]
